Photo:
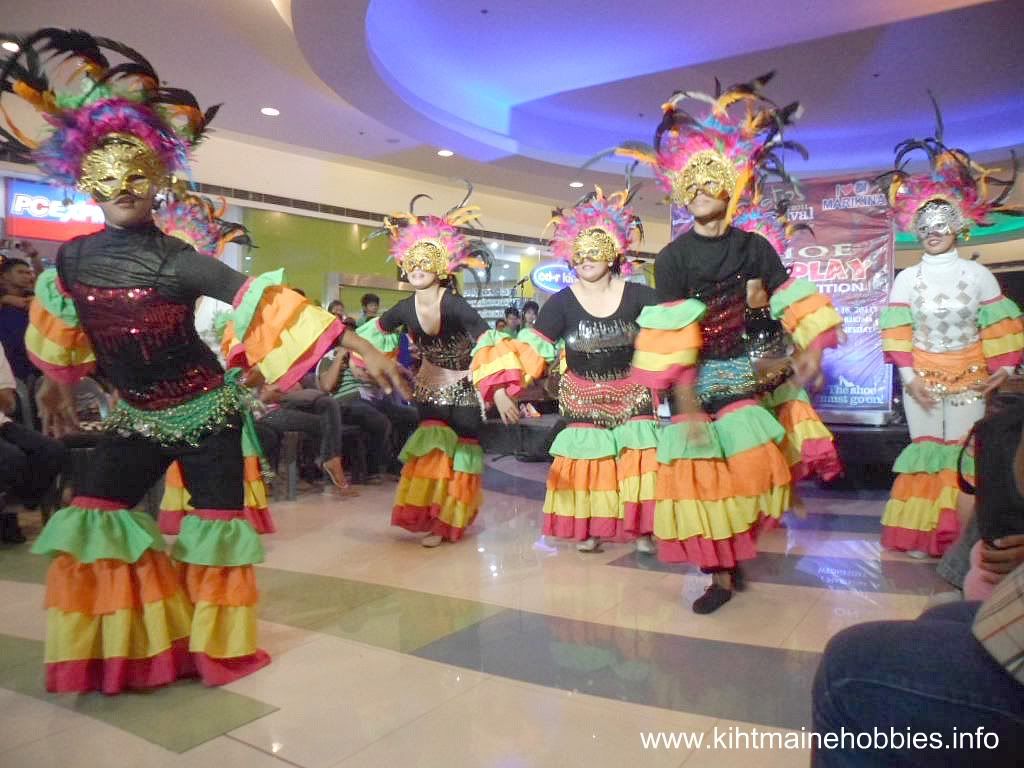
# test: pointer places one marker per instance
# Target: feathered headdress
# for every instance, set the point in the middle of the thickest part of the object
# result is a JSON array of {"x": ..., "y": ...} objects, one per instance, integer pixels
[
  {"x": 772, "y": 224},
  {"x": 727, "y": 150},
  {"x": 197, "y": 221},
  {"x": 953, "y": 179},
  {"x": 596, "y": 223},
  {"x": 86, "y": 100},
  {"x": 435, "y": 243}
]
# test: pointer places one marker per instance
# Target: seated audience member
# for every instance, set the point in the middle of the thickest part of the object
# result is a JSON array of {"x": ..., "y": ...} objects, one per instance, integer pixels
[
  {"x": 957, "y": 670},
  {"x": 512, "y": 321},
  {"x": 29, "y": 461},
  {"x": 316, "y": 415},
  {"x": 338, "y": 381},
  {"x": 18, "y": 282},
  {"x": 371, "y": 307},
  {"x": 501, "y": 326},
  {"x": 530, "y": 310}
]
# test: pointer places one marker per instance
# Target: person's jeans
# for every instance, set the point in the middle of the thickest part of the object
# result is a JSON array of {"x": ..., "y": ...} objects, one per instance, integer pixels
[
  {"x": 294, "y": 416},
  {"x": 375, "y": 425},
  {"x": 930, "y": 676},
  {"x": 403, "y": 419},
  {"x": 29, "y": 463}
]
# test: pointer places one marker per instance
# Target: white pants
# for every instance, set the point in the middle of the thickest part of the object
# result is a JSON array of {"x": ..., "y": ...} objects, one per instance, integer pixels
[{"x": 945, "y": 420}]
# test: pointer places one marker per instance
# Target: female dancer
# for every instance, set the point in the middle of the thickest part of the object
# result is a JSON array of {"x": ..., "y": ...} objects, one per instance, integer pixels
[
  {"x": 439, "y": 492},
  {"x": 120, "y": 615},
  {"x": 951, "y": 333},
  {"x": 602, "y": 482}
]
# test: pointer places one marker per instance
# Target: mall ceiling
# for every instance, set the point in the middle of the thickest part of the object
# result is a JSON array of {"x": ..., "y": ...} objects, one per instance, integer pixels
[{"x": 522, "y": 91}]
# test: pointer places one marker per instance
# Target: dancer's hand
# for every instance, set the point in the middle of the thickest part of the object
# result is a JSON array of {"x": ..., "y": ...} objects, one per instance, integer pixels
[
  {"x": 385, "y": 371},
  {"x": 923, "y": 396},
  {"x": 807, "y": 368},
  {"x": 506, "y": 406},
  {"x": 56, "y": 408},
  {"x": 993, "y": 382}
]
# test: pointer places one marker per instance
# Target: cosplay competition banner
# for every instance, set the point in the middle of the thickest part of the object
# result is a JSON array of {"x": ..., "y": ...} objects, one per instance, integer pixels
[{"x": 848, "y": 254}]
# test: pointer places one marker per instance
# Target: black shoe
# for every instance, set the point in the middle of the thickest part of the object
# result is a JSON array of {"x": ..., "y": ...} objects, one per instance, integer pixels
[
  {"x": 10, "y": 531},
  {"x": 714, "y": 597}
]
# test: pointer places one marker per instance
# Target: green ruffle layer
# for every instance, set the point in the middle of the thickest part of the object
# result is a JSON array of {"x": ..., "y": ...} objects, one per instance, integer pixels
[
  {"x": 427, "y": 439},
  {"x": 597, "y": 443},
  {"x": 385, "y": 342},
  {"x": 550, "y": 352},
  {"x": 990, "y": 314},
  {"x": 55, "y": 302},
  {"x": 930, "y": 457},
  {"x": 671, "y": 317},
  {"x": 782, "y": 300},
  {"x": 736, "y": 432},
  {"x": 98, "y": 534},
  {"x": 217, "y": 542},
  {"x": 785, "y": 393},
  {"x": 250, "y": 302},
  {"x": 893, "y": 317},
  {"x": 468, "y": 458}
]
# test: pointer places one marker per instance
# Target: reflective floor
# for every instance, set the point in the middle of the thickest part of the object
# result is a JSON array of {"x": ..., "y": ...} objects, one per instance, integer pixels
[{"x": 505, "y": 649}]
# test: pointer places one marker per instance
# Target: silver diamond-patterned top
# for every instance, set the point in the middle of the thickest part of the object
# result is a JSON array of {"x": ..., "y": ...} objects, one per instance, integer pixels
[{"x": 944, "y": 293}]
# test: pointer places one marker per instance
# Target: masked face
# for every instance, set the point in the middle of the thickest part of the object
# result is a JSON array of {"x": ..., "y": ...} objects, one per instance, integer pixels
[
  {"x": 121, "y": 165},
  {"x": 428, "y": 256},
  {"x": 594, "y": 244},
  {"x": 937, "y": 218},
  {"x": 707, "y": 171}
]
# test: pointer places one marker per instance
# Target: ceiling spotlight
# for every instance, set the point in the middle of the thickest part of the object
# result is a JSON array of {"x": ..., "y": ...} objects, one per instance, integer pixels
[
  {"x": 505, "y": 266},
  {"x": 270, "y": 111},
  {"x": 494, "y": 245},
  {"x": 531, "y": 251},
  {"x": 444, "y": 153},
  {"x": 10, "y": 45},
  {"x": 575, "y": 184}
]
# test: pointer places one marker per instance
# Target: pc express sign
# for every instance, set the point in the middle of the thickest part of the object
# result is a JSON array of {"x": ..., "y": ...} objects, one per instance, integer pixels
[{"x": 39, "y": 211}]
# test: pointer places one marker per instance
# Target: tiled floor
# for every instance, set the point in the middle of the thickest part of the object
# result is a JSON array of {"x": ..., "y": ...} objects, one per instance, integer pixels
[{"x": 503, "y": 650}]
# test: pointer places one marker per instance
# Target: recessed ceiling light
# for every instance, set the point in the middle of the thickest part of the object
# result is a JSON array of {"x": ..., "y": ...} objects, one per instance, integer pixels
[
  {"x": 531, "y": 251},
  {"x": 505, "y": 266},
  {"x": 494, "y": 245},
  {"x": 270, "y": 111},
  {"x": 10, "y": 45},
  {"x": 444, "y": 153},
  {"x": 575, "y": 184}
]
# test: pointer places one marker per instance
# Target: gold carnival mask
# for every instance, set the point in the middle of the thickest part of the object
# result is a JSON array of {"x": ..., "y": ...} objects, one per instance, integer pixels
[
  {"x": 594, "y": 244},
  {"x": 121, "y": 164},
  {"x": 706, "y": 171},
  {"x": 428, "y": 255}
]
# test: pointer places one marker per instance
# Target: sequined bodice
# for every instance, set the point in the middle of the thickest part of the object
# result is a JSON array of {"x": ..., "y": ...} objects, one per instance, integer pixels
[
  {"x": 146, "y": 345},
  {"x": 723, "y": 325},
  {"x": 945, "y": 315},
  {"x": 601, "y": 349}
]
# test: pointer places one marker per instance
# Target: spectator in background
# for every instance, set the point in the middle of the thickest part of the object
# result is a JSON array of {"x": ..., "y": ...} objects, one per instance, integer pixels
[
  {"x": 501, "y": 326},
  {"x": 337, "y": 308},
  {"x": 339, "y": 382},
  {"x": 530, "y": 310},
  {"x": 308, "y": 411},
  {"x": 513, "y": 322},
  {"x": 29, "y": 461},
  {"x": 371, "y": 307},
  {"x": 19, "y": 281}
]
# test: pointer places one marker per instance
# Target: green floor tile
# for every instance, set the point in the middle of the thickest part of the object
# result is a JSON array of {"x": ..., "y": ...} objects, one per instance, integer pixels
[
  {"x": 386, "y": 617},
  {"x": 177, "y": 717},
  {"x": 17, "y": 563}
]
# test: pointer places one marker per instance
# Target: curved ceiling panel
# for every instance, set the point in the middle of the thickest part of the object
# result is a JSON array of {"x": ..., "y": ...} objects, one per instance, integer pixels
[{"x": 559, "y": 81}]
